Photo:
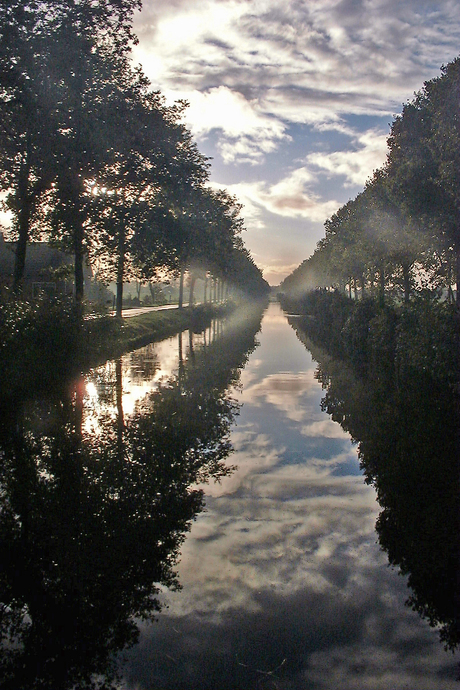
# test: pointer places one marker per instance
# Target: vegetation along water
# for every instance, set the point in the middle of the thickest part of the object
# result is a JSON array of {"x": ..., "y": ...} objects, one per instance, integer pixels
[{"x": 209, "y": 495}]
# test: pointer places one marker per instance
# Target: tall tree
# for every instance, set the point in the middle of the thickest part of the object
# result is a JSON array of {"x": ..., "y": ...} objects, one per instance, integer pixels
[
  {"x": 424, "y": 160},
  {"x": 93, "y": 41},
  {"x": 27, "y": 136}
]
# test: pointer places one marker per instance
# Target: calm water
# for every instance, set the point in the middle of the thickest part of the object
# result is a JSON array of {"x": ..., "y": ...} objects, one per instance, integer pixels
[{"x": 283, "y": 583}]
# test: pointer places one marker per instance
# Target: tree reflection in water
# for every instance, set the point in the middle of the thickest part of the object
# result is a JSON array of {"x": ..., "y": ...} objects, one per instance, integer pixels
[
  {"x": 405, "y": 418},
  {"x": 91, "y": 524}
]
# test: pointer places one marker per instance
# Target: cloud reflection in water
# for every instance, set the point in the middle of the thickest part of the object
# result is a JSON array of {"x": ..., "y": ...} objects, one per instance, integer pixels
[{"x": 284, "y": 585}]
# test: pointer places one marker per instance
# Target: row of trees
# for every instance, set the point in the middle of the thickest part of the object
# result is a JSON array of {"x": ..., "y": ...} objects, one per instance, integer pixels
[
  {"x": 403, "y": 231},
  {"x": 93, "y": 160}
]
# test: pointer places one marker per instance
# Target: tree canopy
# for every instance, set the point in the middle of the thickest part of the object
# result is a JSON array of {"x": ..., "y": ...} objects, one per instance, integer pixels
[
  {"x": 91, "y": 157},
  {"x": 402, "y": 233}
]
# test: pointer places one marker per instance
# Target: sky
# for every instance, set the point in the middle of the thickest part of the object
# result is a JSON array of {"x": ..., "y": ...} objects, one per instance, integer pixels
[{"x": 293, "y": 99}]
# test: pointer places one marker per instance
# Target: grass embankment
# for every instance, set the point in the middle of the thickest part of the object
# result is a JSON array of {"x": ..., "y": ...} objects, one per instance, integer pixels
[
  {"x": 422, "y": 335},
  {"x": 44, "y": 342},
  {"x": 109, "y": 337}
]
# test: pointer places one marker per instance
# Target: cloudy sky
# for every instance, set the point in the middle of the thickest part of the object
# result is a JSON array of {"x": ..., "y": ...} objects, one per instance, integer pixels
[{"x": 293, "y": 99}]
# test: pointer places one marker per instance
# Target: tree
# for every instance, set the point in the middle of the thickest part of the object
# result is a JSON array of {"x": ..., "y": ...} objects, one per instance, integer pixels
[
  {"x": 424, "y": 160},
  {"x": 27, "y": 135},
  {"x": 91, "y": 67},
  {"x": 171, "y": 230}
]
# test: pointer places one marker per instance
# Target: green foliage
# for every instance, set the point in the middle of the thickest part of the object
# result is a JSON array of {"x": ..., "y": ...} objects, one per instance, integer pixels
[
  {"x": 369, "y": 337},
  {"x": 37, "y": 340},
  {"x": 384, "y": 340},
  {"x": 402, "y": 233},
  {"x": 93, "y": 159},
  {"x": 430, "y": 333},
  {"x": 326, "y": 315}
]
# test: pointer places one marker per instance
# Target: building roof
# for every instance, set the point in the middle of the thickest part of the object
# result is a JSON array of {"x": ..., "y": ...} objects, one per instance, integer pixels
[{"x": 40, "y": 256}]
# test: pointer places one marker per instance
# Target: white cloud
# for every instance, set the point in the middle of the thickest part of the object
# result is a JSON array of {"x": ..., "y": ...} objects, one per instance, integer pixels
[
  {"x": 356, "y": 165},
  {"x": 324, "y": 428},
  {"x": 292, "y": 196},
  {"x": 221, "y": 108},
  {"x": 251, "y": 69},
  {"x": 247, "y": 133},
  {"x": 305, "y": 61},
  {"x": 284, "y": 391}
]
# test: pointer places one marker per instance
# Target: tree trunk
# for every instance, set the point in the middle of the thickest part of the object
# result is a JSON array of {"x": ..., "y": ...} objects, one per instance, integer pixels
[
  {"x": 24, "y": 213},
  {"x": 181, "y": 287},
  {"x": 192, "y": 287},
  {"x": 78, "y": 236},
  {"x": 76, "y": 193},
  {"x": 21, "y": 245},
  {"x": 79, "y": 257},
  {"x": 382, "y": 284},
  {"x": 205, "y": 289},
  {"x": 120, "y": 272}
]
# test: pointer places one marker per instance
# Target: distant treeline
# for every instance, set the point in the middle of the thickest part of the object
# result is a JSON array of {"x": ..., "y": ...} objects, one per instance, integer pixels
[
  {"x": 94, "y": 161},
  {"x": 402, "y": 233}
]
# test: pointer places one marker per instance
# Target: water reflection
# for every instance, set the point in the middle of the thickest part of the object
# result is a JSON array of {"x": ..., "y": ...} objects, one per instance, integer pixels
[
  {"x": 96, "y": 496},
  {"x": 406, "y": 422},
  {"x": 284, "y": 586}
]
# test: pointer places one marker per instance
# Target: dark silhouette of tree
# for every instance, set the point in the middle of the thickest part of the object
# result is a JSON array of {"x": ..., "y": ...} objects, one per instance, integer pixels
[
  {"x": 27, "y": 128},
  {"x": 94, "y": 158},
  {"x": 404, "y": 228},
  {"x": 423, "y": 165}
]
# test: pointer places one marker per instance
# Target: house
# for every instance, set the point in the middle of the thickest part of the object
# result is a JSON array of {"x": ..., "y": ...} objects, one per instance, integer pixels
[{"x": 47, "y": 269}]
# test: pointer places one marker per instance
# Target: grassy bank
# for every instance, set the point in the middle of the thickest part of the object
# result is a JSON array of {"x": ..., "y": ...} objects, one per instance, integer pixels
[
  {"x": 41, "y": 342},
  {"x": 107, "y": 337},
  {"x": 379, "y": 339}
]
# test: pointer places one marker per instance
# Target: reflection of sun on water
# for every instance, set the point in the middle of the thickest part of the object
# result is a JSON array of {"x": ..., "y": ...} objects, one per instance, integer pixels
[
  {"x": 91, "y": 390},
  {"x": 139, "y": 373}
]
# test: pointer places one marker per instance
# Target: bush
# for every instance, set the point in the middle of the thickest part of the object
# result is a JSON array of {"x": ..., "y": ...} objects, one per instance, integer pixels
[{"x": 37, "y": 341}]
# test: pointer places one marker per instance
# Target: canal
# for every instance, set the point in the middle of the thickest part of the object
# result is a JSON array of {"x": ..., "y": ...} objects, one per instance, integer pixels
[{"x": 192, "y": 503}]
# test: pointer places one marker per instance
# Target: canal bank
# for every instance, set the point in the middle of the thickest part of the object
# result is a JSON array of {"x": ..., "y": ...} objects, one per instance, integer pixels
[{"x": 44, "y": 340}]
